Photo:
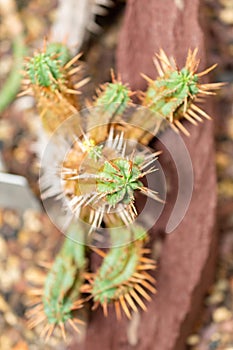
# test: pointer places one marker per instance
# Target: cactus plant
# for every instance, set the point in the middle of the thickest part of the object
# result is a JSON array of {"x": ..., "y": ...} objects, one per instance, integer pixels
[{"x": 102, "y": 173}]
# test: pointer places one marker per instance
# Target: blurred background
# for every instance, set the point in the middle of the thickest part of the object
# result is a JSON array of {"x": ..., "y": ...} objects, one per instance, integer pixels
[{"x": 23, "y": 225}]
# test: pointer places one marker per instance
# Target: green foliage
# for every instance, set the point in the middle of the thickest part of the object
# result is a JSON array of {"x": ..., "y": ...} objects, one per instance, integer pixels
[
  {"x": 111, "y": 102},
  {"x": 115, "y": 98},
  {"x": 169, "y": 92},
  {"x": 12, "y": 84},
  {"x": 44, "y": 70},
  {"x": 119, "y": 179},
  {"x": 59, "y": 51},
  {"x": 63, "y": 282},
  {"x": 118, "y": 267}
]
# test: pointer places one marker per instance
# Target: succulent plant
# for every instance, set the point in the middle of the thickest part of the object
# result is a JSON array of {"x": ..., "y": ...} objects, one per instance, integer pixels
[{"x": 102, "y": 172}]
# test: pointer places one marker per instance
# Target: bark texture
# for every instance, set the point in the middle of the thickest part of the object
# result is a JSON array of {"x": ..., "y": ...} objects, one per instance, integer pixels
[{"x": 188, "y": 255}]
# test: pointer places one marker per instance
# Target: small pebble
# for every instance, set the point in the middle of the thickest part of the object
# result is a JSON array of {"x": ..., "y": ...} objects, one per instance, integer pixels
[
  {"x": 226, "y": 16},
  {"x": 222, "y": 285},
  {"x": 3, "y": 249},
  {"x": 12, "y": 219},
  {"x": 1, "y": 217},
  {"x": 221, "y": 314},
  {"x": 27, "y": 254},
  {"x": 193, "y": 340},
  {"x": 10, "y": 274},
  {"x": 6, "y": 132},
  {"x": 230, "y": 123},
  {"x": 222, "y": 160},
  {"x": 215, "y": 298},
  {"x": 5, "y": 342},
  {"x": 32, "y": 221},
  {"x": 11, "y": 318},
  {"x": 226, "y": 3},
  {"x": 3, "y": 305},
  {"x": 215, "y": 337},
  {"x": 23, "y": 236}
]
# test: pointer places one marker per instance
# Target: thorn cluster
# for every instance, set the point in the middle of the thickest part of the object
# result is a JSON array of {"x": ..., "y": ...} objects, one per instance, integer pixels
[{"x": 172, "y": 96}]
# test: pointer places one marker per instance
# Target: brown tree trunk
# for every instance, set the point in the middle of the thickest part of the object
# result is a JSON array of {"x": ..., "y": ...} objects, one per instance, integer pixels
[{"x": 188, "y": 255}]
